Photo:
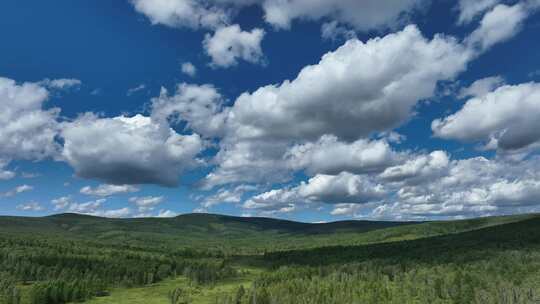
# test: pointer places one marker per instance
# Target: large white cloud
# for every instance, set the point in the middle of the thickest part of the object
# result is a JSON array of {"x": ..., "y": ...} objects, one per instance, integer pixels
[
  {"x": 506, "y": 118},
  {"x": 230, "y": 44},
  {"x": 353, "y": 91},
  {"x": 357, "y": 90},
  {"x": 128, "y": 150}
]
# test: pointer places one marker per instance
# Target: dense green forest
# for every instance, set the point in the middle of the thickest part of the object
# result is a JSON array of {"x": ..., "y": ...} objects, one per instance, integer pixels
[{"x": 72, "y": 258}]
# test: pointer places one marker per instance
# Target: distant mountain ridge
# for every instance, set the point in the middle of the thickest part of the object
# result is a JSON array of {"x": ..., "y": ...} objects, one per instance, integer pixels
[{"x": 218, "y": 231}]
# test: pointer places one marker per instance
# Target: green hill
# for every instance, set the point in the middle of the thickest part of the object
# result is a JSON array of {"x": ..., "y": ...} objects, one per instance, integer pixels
[
  {"x": 221, "y": 231},
  {"x": 206, "y": 257}
]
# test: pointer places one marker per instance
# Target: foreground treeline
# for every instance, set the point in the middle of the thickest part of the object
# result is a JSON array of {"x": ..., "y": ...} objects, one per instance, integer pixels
[
  {"x": 495, "y": 265},
  {"x": 64, "y": 271}
]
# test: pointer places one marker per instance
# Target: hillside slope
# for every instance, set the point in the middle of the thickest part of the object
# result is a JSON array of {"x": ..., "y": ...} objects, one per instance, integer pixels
[{"x": 220, "y": 231}]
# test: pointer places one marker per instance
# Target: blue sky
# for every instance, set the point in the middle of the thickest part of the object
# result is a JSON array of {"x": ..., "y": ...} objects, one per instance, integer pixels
[{"x": 313, "y": 111}]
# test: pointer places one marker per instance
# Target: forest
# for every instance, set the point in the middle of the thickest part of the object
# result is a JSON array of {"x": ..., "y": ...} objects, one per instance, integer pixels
[{"x": 226, "y": 260}]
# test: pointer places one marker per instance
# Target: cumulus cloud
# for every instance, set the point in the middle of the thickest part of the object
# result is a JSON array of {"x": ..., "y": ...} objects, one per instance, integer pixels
[
  {"x": 230, "y": 44},
  {"x": 418, "y": 169},
  {"x": 128, "y": 150},
  {"x": 189, "y": 69},
  {"x": 328, "y": 155},
  {"x": 506, "y": 118},
  {"x": 471, "y": 187},
  {"x": 249, "y": 161},
  {"x": 330, "y": 189},
  {"x": 200, "y": 106},
  {"x": 226, "y": 195},
  {"x": 27, "y": 130},
  {"x": 30, "y": 206},
  {"x": 448, "y": 189},
  {"x": 357, "y": 90},
  {"x": 108, "y": 190},
  {"x": 146, "y": 203},
  {"x": 378, "y": 94}
]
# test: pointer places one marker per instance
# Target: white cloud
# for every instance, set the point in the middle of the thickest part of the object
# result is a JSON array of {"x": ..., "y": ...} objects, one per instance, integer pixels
[
  {"x": 182, "y": 13},
  {"x": 362, "y": 15},
  {"x": 146, "y": 203},
  {"x": 481, "y": 87},
  {"x": 27, "y": 130},
  {"x": 61, "y": 202},
  {"x": 469, "y": 9},
  {"x": 226, "y": 195},
  {"x": 498, "y": 25},
  {"x": 189, "y": 69},
  {"x": 108, "y": 190},
  {"x": 95, "y": 208},
  {"x": 230, "y": 44},
  {"x": 457, "y": 189},
  {"x": 357, "y": 90},
  {"x": 342, "y": 188},
  {"x": 330, "y": 189},
  {"x": 17, "y": 190},
  {"x": 30, "y": 206},
  {"x": 91, "y": 207},
  {"x": 506, "y": 118},
  {"x": 330, "y": 156},
  {"x": 249, "y": 161},
  {"x": 60, "y": 84},
  {"x": 418, "y": 169},
  {"x": 201, "y": 106},
  {"x": 128, "y": 150},
  {"x": 368, "y": 88}
]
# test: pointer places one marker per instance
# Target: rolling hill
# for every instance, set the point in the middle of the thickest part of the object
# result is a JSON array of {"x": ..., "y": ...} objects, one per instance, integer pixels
[{"x": 221, "y": 231}]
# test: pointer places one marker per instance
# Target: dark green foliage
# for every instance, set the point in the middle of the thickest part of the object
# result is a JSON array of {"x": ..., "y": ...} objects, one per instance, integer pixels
[
  {"x": 70, "y": 258},
  {"x": 9, "y": 293},
  {"x": 65, "y": 271}
]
